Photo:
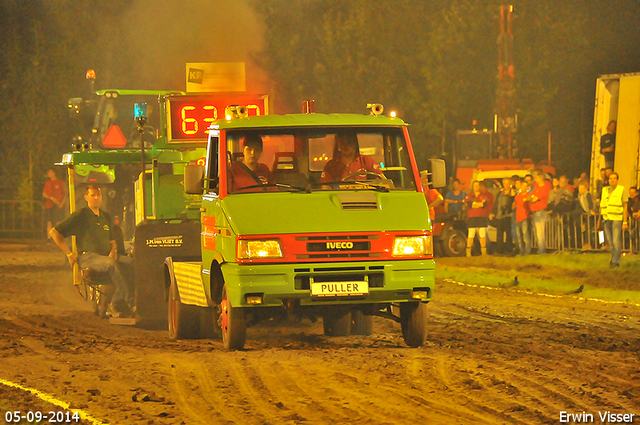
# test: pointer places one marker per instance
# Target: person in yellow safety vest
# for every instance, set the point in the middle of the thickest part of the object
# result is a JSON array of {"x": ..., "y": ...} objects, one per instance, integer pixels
[{"x": 613, "y": 208}]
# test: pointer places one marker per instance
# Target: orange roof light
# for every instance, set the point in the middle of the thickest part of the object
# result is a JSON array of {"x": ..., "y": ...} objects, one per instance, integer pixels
[{"x": 91, "y": 74}]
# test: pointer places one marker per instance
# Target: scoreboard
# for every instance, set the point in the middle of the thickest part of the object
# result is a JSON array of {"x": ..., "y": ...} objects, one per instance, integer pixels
[{"x": 190, "y": 116}]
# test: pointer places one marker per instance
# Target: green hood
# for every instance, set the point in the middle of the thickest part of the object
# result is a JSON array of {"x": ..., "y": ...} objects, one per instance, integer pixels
[{"x": 321, "y": 212}]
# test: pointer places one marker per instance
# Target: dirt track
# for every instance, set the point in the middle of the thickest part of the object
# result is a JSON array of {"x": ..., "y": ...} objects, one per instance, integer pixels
[{"x": 493, "y": 356}]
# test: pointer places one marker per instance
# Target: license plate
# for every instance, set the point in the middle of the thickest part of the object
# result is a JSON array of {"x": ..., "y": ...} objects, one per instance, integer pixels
[{"x": 339, "y": 289}]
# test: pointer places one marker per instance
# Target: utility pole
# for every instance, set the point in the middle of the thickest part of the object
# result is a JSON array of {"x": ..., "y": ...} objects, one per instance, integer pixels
[{"x": 506, "y": 121}]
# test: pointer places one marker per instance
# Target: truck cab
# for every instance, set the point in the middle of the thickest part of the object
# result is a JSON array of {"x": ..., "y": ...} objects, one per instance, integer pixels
[{"x": 309, "y": 242}]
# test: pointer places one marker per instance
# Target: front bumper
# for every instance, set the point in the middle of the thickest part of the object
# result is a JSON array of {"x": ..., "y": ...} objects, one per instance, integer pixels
[{"x": 389, "y": 281}]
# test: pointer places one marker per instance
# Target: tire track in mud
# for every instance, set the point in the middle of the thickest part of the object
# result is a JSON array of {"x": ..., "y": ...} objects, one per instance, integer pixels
[
  {"x": 559, "y": 393},
  {"x": 468, "y": 408},
  {"x": 250, "y": 387},
  {"x": 403, "y": 401},
  {"x": 500, "y": 394},
  {"x": 185, "y": 399},
  {"x": 285, "y": 387},
  {"x": 354, "y": 393}
]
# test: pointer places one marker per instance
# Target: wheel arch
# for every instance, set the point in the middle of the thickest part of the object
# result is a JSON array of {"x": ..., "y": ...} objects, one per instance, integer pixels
[
  {"x": 169, "y": 277},
  {"x": 216, "y": 279}
]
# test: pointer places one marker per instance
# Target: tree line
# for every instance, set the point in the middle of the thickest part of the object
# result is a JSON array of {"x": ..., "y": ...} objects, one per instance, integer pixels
[{"x": 434, "y": 62}]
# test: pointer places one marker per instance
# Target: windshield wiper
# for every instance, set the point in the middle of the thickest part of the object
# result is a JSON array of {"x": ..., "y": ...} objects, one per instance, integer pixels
[
  {"x": 278, "y": 185},
  {"x": 365, "y": 185}
]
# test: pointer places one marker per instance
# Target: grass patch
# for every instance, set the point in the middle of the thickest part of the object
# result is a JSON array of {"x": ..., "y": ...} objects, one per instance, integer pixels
[{"x": 556, "y": 274}]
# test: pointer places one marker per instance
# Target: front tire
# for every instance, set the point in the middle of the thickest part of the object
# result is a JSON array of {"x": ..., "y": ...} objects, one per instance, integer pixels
[
  {"x": 184, "y": 320},
  {"x": 413, "y": 320},
  {"x": 337, "y": 322},
  {"x": 361, "y": 324},
  {"x": 232, "y": 324}
]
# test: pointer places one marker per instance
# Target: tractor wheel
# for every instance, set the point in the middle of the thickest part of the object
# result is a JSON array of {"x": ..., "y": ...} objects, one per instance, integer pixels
[
  {"x": 454, "y": 243},
  {"x": 361, "y": 324},
  {"x": 232, "y": 324},
  {"x": 337, "y": 322},
  {"x": 413, "y": 320},
  {"x": 184, "y": 320}
]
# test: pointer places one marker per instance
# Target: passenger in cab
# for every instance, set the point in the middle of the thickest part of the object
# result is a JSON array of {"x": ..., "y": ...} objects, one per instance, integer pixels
[
  {"x": 249, "y": 173},
  {"x": 347, "y": 160}
]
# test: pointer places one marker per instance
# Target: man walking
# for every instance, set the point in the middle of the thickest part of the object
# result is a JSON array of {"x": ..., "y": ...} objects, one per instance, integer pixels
[
  {"x": 97, "y": 247},
  {"x": 613, "y": 208}
]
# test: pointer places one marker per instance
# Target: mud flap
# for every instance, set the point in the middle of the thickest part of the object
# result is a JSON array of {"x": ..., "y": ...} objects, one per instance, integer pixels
[{"x": 153, "y": 243}]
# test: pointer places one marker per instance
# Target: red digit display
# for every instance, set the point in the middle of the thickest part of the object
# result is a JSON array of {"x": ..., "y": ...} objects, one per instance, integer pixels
[{"x": 190, "y": 116}]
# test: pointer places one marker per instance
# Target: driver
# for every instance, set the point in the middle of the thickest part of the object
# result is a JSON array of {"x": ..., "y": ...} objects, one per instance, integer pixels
[
  {"x": 250, "y": 172},
  {"x": 347, "y": 160}
]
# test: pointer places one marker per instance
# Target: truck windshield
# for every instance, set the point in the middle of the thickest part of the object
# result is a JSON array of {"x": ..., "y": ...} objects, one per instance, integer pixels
[
  {"x": 311, "y": 159},
  {"x": 113, "y": 126}
]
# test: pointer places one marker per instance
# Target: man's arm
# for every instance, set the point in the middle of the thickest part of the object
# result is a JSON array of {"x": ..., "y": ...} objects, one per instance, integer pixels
[
  {"x": 625, "y": 215},
  {"x": 437, "y": 201},
  {"x": 59, "y": 240}
]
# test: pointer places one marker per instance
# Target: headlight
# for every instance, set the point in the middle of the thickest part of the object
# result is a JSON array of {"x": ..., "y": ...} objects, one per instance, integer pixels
[
  {"x": 411, "y": 246},
  {"x": 258, "y": 249}
]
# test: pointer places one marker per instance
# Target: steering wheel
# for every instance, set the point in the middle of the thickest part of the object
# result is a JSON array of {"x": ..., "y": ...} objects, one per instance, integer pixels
[{"x": 364, "y": 173}]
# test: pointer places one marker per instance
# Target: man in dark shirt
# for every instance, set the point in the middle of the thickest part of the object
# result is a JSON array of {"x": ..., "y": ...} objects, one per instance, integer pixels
[
  {"x": 97, "y": 247},
  {"x": 608, "y": 144}
]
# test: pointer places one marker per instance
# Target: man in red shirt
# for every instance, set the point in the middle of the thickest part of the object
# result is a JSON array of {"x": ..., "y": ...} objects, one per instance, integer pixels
[
  {"x": 54, "y": 205},
  {"x": 479, "y": 205},
  {"x": 434, "y": 198},
  {"x": 538, "y": 203},
  {"x": 348, "y": 160},
  {"x": 249, "y": 175},
  {"x": 522, "y": 219}
]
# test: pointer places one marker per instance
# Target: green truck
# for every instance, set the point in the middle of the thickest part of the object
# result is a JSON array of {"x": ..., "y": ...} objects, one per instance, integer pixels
[
  {"x": 156, "y": 217},
  {"x": 344, "y": 250}
]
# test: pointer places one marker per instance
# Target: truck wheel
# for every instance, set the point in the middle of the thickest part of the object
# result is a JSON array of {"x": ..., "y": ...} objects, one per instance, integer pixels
[
  {"x": 337, "y": 323},
  {"x": 413, "y": 320},
  {"x": 454, "y": 243},
  {"x": 184, "y": 320},
  {"x": 361, "y": 324},
  {"x": 232, "y": 324}
]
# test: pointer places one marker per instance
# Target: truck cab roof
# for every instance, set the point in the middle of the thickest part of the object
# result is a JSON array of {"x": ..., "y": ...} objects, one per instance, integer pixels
[{"x": 309, "y": 120}]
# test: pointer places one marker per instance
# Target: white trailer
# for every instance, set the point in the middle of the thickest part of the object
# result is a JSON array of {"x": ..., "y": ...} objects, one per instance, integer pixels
[{"x": 618, "y": 98}]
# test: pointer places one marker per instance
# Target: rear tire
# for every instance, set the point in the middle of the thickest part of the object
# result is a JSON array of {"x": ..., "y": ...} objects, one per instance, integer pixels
[
  {"x": 232, "y": 323},
  {"x": 184, "y": 320},
  {"x": 413, "y": 320},
  {"x": 454, "y": 243},
  {"x": 337, "y": 322},
  {"x": 361, "y": 324}
]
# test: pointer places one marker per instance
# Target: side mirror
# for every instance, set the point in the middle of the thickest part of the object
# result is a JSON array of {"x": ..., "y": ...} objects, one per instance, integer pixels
[
  {"x": 437, "y": 170},
  {"x": 193, "y": 179}
]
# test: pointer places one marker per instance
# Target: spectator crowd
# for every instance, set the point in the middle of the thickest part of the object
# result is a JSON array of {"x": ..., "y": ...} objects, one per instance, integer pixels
[{"x": 520, "y": 209}]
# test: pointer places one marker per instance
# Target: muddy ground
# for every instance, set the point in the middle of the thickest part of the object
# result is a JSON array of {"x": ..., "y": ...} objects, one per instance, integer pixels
[{"x": 494, "y": 356}]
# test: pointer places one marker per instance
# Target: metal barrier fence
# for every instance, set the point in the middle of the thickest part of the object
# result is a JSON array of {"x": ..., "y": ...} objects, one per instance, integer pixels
[
  {"x": 22, "y": 219},
  {"x": 570, "y": 232}
]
